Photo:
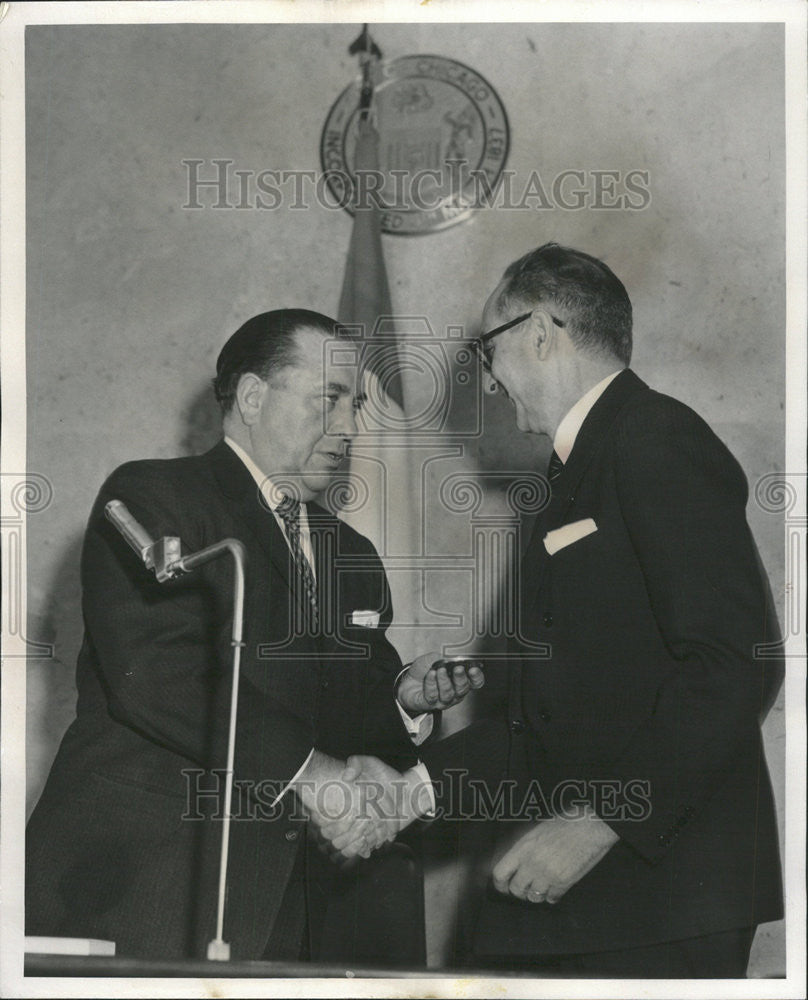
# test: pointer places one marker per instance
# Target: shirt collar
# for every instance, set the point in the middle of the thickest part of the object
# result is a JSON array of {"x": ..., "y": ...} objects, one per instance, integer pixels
[
  {"x": 271, "y": 494},
  {"x": 573, "y": 421}
]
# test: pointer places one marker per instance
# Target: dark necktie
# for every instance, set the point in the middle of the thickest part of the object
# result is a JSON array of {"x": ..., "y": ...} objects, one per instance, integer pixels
[
  {"x": 289, "y": 510},
  {"x": 555, "y": 468}
]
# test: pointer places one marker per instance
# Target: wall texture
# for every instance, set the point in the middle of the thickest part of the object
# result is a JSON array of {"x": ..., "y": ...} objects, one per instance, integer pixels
[{"x": 130, "y": 296}]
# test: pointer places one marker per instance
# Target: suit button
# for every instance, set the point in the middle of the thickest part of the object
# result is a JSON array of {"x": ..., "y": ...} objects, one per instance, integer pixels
[
  {"x": 291, "y": 834},
  {"x": 545, "y": 716},
  {"x": 517, "y": 726},
  {"x": 663, "y": 840},
  {"x": 324, "y": 683},
  {"x": 547, "y": 619}
]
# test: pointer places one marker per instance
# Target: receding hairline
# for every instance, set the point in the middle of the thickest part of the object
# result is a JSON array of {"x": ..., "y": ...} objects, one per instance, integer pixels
[
  {"x": 500, "y": 303},
  {"x": 581, "y": 289}
]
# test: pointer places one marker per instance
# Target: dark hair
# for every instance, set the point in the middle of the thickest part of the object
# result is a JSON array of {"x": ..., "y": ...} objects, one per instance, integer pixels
[
  {"x": 593, "y": 303},
  {"x": 263, "y": 345}
]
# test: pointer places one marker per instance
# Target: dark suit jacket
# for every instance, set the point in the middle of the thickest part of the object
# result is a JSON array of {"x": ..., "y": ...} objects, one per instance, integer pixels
[
  {"x": 650, "y": 683},
  {"x": 122, "y": 844}
]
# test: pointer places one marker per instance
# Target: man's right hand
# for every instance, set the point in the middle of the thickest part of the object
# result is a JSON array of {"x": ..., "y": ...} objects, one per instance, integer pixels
[
  {"x": 390, "y": 802},
  {"x": 359, "y": 806},
  {"x": 331, "y": 798}
]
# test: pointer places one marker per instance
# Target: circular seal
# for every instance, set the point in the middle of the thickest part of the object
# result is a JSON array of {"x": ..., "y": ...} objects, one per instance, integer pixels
[{"x": 443, "y": 142}]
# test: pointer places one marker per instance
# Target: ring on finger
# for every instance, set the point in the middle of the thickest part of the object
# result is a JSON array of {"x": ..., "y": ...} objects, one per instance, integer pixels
[{"x": 535, "y": 896}]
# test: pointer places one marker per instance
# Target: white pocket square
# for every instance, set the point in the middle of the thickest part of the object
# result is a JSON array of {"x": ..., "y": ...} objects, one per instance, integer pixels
[
  {"x": 367, "y": 619},
  {"x": 569, "y": 533}
]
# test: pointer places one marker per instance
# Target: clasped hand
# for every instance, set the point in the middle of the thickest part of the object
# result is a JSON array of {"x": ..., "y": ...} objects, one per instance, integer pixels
[
  {"x": 556, "y": 853},
  {"x": 359, "y": 806}
]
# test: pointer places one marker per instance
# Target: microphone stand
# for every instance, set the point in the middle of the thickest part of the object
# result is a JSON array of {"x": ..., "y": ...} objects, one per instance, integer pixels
[{"x": 163, "y": 556}]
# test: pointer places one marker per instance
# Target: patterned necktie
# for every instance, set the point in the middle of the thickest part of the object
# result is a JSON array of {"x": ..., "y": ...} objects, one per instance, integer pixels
[
  {"x": 289, "y": 510},
  {"x": 555, "y": 468}
]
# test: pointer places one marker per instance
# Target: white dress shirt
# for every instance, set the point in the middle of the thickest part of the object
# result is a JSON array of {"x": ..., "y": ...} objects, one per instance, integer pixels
[
  {"x": 272, "y": 497},
  {"x": 573, "y": 421},
  {"x": 419, "y": 727}
]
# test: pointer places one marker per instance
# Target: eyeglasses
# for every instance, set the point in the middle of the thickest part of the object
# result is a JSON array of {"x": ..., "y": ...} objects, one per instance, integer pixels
[{"x": 486, "y": 353}]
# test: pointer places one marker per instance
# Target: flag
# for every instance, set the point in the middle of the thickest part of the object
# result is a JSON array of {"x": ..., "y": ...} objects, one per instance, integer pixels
[
  {"x": 365, "y": 298},
  {"x": 385, "y": 490}
]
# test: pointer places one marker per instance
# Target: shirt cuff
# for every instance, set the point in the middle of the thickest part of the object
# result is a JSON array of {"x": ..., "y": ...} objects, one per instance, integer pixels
[
  {"x": 420, "y": 727},
  {"x": 300, "y": 770},
  {"x": 424, "y": 783}
]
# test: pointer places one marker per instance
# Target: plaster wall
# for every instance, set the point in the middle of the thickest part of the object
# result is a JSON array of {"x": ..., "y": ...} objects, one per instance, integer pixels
[{"x": 130, "y": 295}]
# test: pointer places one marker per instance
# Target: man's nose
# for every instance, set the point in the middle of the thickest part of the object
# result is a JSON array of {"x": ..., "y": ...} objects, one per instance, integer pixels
[{"x": 343, "y": 421}]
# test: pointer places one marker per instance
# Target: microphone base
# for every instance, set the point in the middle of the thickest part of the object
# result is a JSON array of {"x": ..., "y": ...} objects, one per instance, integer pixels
[{"x": 218, "y": 951}]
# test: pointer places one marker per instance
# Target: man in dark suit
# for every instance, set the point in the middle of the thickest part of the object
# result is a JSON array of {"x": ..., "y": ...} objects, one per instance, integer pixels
[
  {"x": 124, "y": 842},
  {"x": 635, "y": 692}
]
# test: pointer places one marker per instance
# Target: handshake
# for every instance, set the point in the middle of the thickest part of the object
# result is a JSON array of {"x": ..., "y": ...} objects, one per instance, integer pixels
[{"x": 358, "y": 806}]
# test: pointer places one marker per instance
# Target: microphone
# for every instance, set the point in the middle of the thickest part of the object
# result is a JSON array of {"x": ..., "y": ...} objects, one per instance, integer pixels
[
  {"x": 133, "y": 531},
  {"x": 165, "y": 557}
]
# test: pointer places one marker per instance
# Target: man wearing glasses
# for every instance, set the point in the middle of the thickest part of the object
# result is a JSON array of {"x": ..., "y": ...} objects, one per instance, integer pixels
[{"x": 648, "y": 846}]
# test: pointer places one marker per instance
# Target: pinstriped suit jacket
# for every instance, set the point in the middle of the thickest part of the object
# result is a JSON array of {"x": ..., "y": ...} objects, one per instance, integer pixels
[{"x": 115, "y": 848}]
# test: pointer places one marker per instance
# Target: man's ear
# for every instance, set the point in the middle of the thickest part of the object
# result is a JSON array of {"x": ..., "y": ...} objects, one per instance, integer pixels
[
  {"x": 544, "y": 332},
  {"x": 250, "y": 393}
]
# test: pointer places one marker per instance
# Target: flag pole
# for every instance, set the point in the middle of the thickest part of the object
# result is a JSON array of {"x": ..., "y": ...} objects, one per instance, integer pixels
[
  {"x": 365, "y": 297},
  {"x": 368, "y": 51}
]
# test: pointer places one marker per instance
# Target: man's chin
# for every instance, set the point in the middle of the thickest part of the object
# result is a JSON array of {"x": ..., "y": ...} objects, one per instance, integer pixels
[
  {"x": 317, "y": 482},
  {"x": 527, "y": 424}
]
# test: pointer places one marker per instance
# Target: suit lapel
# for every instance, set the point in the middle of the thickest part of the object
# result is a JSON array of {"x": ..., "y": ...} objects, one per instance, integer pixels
[
  {"x": 591, "y": 437},
  {"x": 236, "y": 483},
  {"x": 240, "y": 488}
]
